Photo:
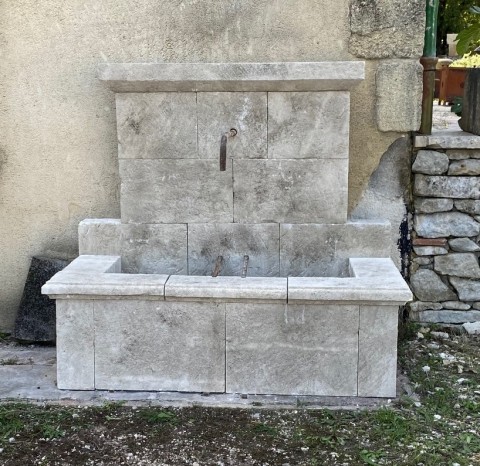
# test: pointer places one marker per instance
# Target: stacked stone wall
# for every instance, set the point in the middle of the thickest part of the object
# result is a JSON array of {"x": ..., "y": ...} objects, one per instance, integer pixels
[{"x": 445, "y": 271}]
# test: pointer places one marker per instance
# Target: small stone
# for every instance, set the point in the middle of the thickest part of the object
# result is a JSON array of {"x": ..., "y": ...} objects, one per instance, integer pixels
[
  {"x": 431, "y": 205},
  {"x": 417, "y": 306},
  {"x": 457, "y": 305},
  {"x": 458, "y": 187},
  {"x": 437, "y": 417},
  {"x": 11, "y": 440},
  {"x": 458, "y": 265},
  {"x": 445, "y": 224},
  {"x": 459, "y": 154},
  {"x": 441, "y": 335},
  {"x": 468, "y": 290},
  {"x": 463, "y": 245},
  {"x": 472, "y": 328},
  {"x": 476, "y": 305},
  {"x": 420, "y": 336},
  {"x": 428, "y": 286},
  {"x": 426, "y": 369},
  {"x": 465, "y": 167},
  {"x": 430, "y": 162},
  {"x": 469, "y": 206},
  {"x": 429, "y": 250},
  {"x": 448, "y": 316},
  {"x": 422, "y": 260}
]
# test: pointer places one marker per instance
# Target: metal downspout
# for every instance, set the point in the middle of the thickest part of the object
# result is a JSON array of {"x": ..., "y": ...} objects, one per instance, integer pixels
[{"x": 429, "y": 62}]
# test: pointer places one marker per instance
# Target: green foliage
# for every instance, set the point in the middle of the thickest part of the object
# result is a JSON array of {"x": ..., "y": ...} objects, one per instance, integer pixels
[
  {"x": 158, "y": 416},
  {"x": 469, "y": 37},
  {"x": 457, "y": 106}
]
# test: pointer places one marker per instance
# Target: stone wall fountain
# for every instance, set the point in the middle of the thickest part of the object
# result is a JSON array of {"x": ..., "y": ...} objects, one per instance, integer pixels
[{"x": 313, "y": 308}]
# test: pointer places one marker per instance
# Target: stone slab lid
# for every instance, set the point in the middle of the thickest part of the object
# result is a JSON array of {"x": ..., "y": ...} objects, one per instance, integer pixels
[{"x": 226, "y": 77}]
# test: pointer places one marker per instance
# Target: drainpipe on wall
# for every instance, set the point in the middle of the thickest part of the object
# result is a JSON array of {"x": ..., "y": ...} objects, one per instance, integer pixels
[{"x": 429, "y": 62}]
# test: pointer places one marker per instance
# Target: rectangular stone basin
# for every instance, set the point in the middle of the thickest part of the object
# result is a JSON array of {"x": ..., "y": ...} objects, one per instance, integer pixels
[{"x": 327, "y": 336}]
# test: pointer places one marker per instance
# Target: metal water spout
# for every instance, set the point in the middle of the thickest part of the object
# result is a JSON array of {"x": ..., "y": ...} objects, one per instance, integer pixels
[{"x": 223, "y": 148}]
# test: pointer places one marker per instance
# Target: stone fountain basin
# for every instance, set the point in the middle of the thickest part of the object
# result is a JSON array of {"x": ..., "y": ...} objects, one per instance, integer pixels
[{"x": 261, "y": 335}]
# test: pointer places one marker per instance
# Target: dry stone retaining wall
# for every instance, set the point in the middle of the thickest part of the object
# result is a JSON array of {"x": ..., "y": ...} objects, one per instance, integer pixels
[{"x": 445, "y": 271}]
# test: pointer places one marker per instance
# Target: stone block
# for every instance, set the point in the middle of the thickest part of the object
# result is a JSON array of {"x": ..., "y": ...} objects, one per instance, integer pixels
[
  {"x": 461, "y": 154},
  {"x": 429, "y": 250},
  {"x": 463, "y": 245},
  {"x": 448, "y": 316},
  {"x": 422, "y": 260},
  {"x": 387, "y": 28},
  {"x": 428, "y": 286},
  {"x": 468, "y": 290},
  {"x": 445, "y": 224},
  {"x": 320, "y": 250},
  {"x": 429, "y": 206},
  {"x": 161, "y": 125},
  {"x": 155, "y": 249},
  {"x": 417, "y": 306},
  {"x": 458, "y": 265},
  {"x": 158, "y": 345},
  {"x": 233, "y": 241},
  {"x": 308, "y": 125},
  {"x": 468, "y": 206},
  {"x": 447, "y": 186},
  {"x": 448, "y": 139},
  {"x": 75, "y": 345},
  {"x": 294, "y": 349},
  {"x": 35, "y": 319},
  {"x": 472, "y": 328},
  {"x": 226, "y": 289},
  {"x": 290, "y": 191},
  {"x": 377, "y": 351},
  {"x": 175, "y": 191},
  {"x": 218, "y": 112},
  {"x": 456, "y": 305},
  {"x": 100, "y": 236},
  {"x": 395, "y": 80},
  {"x": 237, "y": 77},
  {"x": 469, "y": 167},
  {"x": 430, "y": 162}
]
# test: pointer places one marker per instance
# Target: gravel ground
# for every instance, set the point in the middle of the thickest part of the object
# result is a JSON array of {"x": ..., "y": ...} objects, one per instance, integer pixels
[{"x": 437, "y": 423}]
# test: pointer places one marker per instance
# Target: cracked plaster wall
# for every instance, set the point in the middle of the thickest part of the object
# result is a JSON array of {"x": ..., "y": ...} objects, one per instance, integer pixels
[{"x": 57, "y": 123}]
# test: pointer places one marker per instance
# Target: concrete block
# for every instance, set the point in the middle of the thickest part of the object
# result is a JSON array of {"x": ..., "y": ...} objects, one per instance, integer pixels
[
  {"x": 301, "y": 350},
  {"x": 218, "y": 112},
  {"x": 162, "y": 125},
  {"x": 394, "y": 80},
  {"x": 377, "y": 351},
  {"x": 156, "y": 345},
  {"x": 323, "y": 250},
  {"x": 290, "y": 191},
  {"x": 160, "y": 248},
  {"x": 75, "y": 345},
  {"x": 236, "y": 77},
  {"x": 308, "y": 125},
  {"x": 232, "y": 241},
  {"x": 175, "y": 191},
  {"x": 100, "y": 236}
]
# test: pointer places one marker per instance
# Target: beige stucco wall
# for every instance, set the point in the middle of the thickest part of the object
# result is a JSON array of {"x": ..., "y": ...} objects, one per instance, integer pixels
[{"x": 57, "y": 130}]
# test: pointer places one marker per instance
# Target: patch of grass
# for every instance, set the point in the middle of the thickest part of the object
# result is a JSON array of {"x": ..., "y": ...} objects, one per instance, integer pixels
[
  {"x": 157, "y": 416},
  {"x": 261, "y": 428},
  {"x": 9, "y": 362}
]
